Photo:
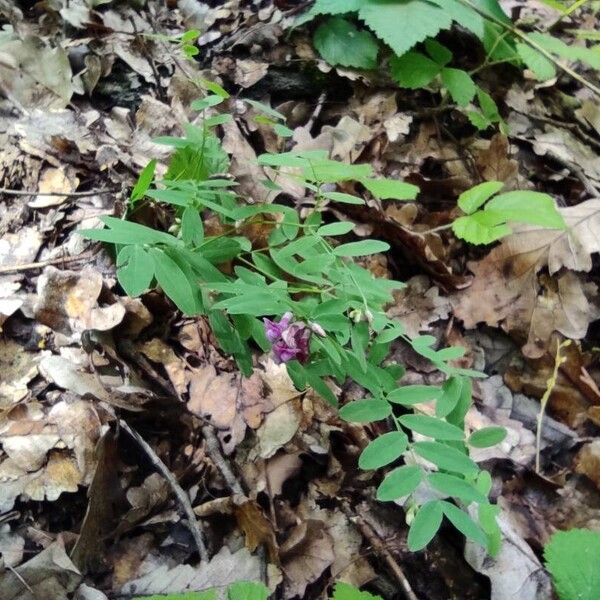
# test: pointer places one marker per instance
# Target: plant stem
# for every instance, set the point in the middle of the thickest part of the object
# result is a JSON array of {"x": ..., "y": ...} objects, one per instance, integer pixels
[{"x": 526, "y": 39}]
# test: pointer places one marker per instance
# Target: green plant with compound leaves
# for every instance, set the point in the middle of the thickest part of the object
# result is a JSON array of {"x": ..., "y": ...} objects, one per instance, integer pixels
[{"x": 302, "y": 294}]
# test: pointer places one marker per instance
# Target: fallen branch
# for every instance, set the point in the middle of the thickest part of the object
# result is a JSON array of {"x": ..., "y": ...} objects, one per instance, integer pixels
[
  {"x": 183, "y": 498},
  {"x": 379, "y": 547},
  {"x": 10, "y": 192},
  {"x": 46, "y": 263}
]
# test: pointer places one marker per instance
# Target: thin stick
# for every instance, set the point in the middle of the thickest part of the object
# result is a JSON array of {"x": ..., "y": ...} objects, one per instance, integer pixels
[
  {"x": 379, "y": 547},
  {"x": 550, "y": 384},
  {"x": 525, "y": 38},
  {"x": 10, "y": 192},
  {"x": 183, "y": 498},
  {"x": 18, "y": 576},
  {"x": 214, "y": 451},
  {"x": 46, "y": 263}
]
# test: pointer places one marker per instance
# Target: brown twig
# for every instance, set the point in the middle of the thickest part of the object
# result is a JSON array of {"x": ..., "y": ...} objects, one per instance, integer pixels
[
  {"x": 11, "y": 192},
  {"x": 379, "y": 547},
  {"x": 213, "y": 448},
  {"x": 183, "y": 498},
  {"x": 46, "y": 263}
]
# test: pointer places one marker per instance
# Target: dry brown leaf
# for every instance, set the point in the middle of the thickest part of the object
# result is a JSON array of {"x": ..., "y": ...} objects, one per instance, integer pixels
[
  {"x": 256, "y": 527},
  {"x": 305, "y": 554},
  {"x": 67, "y": 302},
  {"x": 49, "y": 574},
  {"x": 244, "y": 166},
  {"x": 566, "y": 147},
  {"x": 48, "y": 454},
  {"x": 159, "y": 352},
  {"x": 418, "y": 305},
  {"x": 54, "y": 181},
  {"x": 506, "y": 288},
  {"x": 223, "y": 569},
  {"x": 587, "y": 461},
  {"x": 18, "y": 368},
  {"x": 36, "y": 75},
  {"x": 495, "y": 163}
]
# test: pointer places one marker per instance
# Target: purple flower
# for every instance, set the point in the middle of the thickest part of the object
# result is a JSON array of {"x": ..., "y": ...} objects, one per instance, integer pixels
[
  {"x": 274, "y": 330},
  {"x": 290, "y": 340}
]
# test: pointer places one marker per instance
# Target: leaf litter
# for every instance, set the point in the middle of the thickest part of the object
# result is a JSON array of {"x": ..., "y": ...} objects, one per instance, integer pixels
[{"x": 86, "y": 87}]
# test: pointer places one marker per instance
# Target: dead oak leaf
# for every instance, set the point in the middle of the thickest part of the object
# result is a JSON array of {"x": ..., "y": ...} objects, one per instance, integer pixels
[
  {"x": 506, "y": 288},
  {"x": 67, "y": 302},
  {"x": 256, "y": 527},
  {"x": 306, "y": 553}
]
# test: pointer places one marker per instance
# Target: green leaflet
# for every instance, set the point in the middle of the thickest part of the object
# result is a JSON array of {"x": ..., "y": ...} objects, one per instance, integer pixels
[{"x": 339, "y": 42}]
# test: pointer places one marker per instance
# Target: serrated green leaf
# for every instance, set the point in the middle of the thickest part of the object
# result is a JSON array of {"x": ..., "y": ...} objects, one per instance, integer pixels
[
  {"x": 523, "y": 206},
  {"x": 413, "y": 70},
  {"x": 446, "y": 457},
  {"x": 432, "y": 427},
  {"x": 383, "y": 450},
  {"x": 135, "y": 269},
  {"x": 339, "y": 42},
  {"x": 425, "y": 525},
  {"x": 366, "y": 410},
  {"x": 542, "y": 67},
  {"x": 401, "y": 25},
  {"x": 486, "y": 437},
  {"x": 572, "y": 557},
  {"x": 478, "y": 195},
  {"x": 482, "y": 227},
  {"x": 207, "y": 595},
  {"x": 463, "y": 522},
  {"x": 459, "y": 83},
  {"x": 362, "y": 248},
  {"x": 414, "y": 394},
  {"x": 438, "y": 52},
  {"x": 399, "y": 482},
  {"x": 345, "y": 591},
  {"x": 335, "y": 7}
]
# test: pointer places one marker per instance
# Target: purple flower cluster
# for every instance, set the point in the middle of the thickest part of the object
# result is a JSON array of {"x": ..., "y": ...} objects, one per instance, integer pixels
[{"x": 290, "y": 338}]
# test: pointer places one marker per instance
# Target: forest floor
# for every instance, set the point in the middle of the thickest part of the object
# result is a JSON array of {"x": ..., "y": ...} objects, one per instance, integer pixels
[{"x": 126, "y": 448}]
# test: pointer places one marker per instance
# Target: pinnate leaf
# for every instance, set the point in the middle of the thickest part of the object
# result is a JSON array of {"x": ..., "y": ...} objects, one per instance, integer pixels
[
  {"x": 366, "y": 410},
  {"x": 432, "y": 427},
  {"x": 135, "y": 269},
  {"x": 399, "y": 482},
  {"x": 425, "y": 525},
  {"x": 383, "y": 450}
]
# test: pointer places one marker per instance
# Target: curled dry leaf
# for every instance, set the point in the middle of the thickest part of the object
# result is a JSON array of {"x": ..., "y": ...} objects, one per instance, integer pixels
[
  {"x": 67, "y": 302},
  {"x": 257, "y": 528},
  {"x": 48, "y": 454},
  {"x": 506, "y": 288}
]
